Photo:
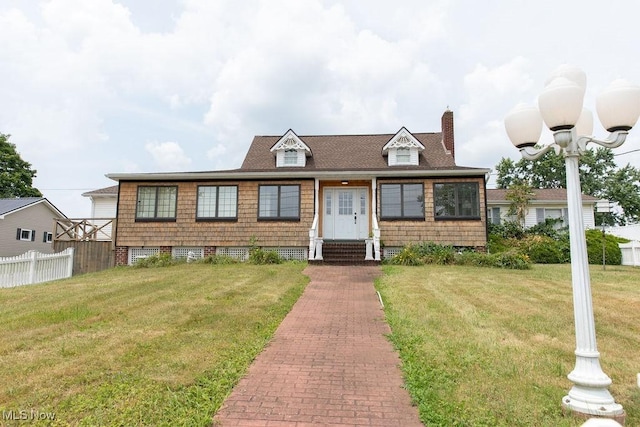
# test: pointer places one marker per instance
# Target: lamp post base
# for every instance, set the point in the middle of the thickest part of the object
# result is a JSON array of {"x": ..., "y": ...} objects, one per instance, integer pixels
[{"x": 585, "y": 402}]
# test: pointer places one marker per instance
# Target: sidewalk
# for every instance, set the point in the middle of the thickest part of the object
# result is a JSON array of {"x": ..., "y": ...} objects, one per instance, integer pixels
[{"x": 329, "y": 362}]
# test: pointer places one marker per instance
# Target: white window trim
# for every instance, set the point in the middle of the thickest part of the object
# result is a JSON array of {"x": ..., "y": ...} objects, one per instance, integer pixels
[{"x": 30, "y": 235}]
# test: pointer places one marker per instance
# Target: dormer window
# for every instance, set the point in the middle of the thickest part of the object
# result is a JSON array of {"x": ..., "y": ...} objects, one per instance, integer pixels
[
  {"x": 291, "y": 157},
  {"x": 290, "y": 151},
  {"x": 403, "y": 149}
]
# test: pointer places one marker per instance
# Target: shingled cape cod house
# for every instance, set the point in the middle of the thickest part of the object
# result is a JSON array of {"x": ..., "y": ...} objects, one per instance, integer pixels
[{"x": 314, "y": 197}]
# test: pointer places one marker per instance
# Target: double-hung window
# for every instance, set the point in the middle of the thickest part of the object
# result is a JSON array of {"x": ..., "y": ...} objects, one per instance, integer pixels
[
  {"x": 456, "y": 200},
  {"x": 279, "y": 202},
  {"x": 402, "y": 201},
  {"x": 217, "y": 202},
  {"x": 156, "y": 203},
  {"x": 291, "y": 157},
  {"x": 403, "y": 156}
]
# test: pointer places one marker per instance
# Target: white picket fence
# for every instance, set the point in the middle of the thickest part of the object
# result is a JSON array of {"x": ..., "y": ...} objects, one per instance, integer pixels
[
  {"x": 34, "y": 267},
  {"x": 630, "y": 253}
]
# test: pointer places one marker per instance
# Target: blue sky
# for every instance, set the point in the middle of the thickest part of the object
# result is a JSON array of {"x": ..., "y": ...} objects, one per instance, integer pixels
[{"x": 91, "y": 87}]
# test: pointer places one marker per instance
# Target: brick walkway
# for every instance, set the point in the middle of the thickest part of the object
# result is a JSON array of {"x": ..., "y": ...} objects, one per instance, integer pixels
[{"x": 329, "y": 362}]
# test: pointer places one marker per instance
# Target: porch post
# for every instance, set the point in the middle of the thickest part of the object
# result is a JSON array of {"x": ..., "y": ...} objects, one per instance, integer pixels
[{"x": 374, "y": 221}]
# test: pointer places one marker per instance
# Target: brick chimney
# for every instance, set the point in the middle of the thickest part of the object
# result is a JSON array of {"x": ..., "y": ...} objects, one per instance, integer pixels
[{"x": 447, "y": 132}]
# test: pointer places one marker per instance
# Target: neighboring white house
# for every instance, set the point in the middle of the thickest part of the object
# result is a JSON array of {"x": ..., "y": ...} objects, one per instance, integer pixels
[
  {"x": 104, "y": 205},
  {"x": 26, "y": 224},
  {"x": 547, "y": 203}
]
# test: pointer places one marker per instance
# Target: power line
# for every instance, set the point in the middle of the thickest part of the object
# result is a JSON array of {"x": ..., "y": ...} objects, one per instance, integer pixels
[{"x": 627, "y": 152}]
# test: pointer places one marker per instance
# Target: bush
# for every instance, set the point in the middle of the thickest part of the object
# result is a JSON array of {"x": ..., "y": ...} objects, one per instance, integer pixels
[
  {"x": 219, "y": 259},
  {"x": 510, "y": 260},
  {"x": 475, "y": 259},
  {"x": 543, "y": 250},
  {"x": 433, "y": 253},
  {"x": 260, "y": 256},
  {"x": 407, "y": 256},
  {"x": 507, "y": 230},
  {"x": 547, "y": 228},
  {"x": 613, "y": 254},
  {"x": 158, "y": 260},
  {"x": 497, "y": 243}
]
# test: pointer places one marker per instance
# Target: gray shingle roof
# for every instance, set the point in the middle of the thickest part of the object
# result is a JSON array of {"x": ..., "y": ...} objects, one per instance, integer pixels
[
  {"x": 495, "y": 195},
  {"x": 8, "y": 205},
  {"x": 349, "y": 152},
  {"x": 107, "y": 191}
]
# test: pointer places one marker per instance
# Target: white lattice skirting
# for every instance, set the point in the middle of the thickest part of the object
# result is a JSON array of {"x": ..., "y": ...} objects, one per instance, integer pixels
[
  {"x": 239, "y": 253},
  {"x": 390, "y": 252}
]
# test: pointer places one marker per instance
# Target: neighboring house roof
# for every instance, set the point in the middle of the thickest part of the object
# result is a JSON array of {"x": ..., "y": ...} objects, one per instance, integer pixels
[
  {"x": 10, "y": 206},
  {"x": 111, "y": 191},
  {"x": 542, "y": 195}
]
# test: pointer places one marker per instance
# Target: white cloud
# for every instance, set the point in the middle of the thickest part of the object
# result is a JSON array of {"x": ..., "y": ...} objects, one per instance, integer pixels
[{"x": 168, "y": 156}]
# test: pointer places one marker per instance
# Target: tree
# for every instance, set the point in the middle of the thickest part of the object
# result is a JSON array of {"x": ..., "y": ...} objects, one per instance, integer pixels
[
  {"x": 599, "y": 177},
  {"x": 520, "y": 196},
  {"x": 16, "y": 175}
]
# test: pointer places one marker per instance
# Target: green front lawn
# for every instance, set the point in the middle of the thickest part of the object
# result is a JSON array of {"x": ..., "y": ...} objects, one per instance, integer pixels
[
  {"x": 164, "y": 346},
  {"x": 131, "y": 346},
  {"x": 491, "y": 347}
]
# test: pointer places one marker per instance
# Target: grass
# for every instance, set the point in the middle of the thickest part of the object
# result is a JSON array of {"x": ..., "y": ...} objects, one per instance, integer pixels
[
  {"x": 138, "y": 346},
  {"x": 489, "y": 347}
]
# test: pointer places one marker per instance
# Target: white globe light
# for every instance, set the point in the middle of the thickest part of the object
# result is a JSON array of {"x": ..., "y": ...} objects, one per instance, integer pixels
[
  {"x": 569, "y": 72},
  {"x": 523, "y": 125},
  {"x": 584, "y": 127},
  {"x": 560, "y": 104},
  {"x": 618, "y": 106}
]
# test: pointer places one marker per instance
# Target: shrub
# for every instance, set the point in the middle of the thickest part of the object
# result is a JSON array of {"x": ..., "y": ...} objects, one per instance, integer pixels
[
  {"x": 547, "y": 228},
  {"x": 158, "y": 260},
  {"x": 497, "y": 243},
  {"x": 219, "y": 259},
  {"x": 542, "y": 249},
  {"x": 407, "y": 256},
  {"x": 507, "y": 230},
  {"x": 475, "y": 259},
  {"x": 613, "y": 254},
  {"x": 433, "y": 253},
  {"x": 511, "y": 260},
  {"x": 260, "y": 256}
]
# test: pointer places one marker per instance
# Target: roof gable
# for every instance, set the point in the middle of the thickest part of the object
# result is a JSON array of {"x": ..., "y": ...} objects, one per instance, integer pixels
[
  {"x": 11, "y": 206},
  {"x": 402, "y": 139},
  {"x": 291, "y": 141}
]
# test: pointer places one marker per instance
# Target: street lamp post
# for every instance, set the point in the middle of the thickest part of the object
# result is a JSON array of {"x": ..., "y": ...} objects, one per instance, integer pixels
[{"x": 560, "y": 107}]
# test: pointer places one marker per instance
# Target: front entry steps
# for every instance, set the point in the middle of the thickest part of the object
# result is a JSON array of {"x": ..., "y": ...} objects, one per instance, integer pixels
[{"x": 337, "y": 252}]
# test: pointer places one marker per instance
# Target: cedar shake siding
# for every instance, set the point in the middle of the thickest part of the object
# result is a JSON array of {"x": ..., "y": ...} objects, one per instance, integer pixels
[
  {"x": 187, "y": 231},
  {"x": 455, "y": 232}
]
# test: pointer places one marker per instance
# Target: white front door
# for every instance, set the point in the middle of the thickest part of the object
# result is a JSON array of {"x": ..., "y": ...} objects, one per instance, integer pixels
[{"x": 346, "y": 213}]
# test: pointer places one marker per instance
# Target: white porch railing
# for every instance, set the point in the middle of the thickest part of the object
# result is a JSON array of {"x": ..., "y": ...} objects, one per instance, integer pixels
[
  {"x": 34, "y": 267},
  {"x": 373, "y": 244},
  {"x": 315, "y": 242},
  {"x": 630, "y": 253}
]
